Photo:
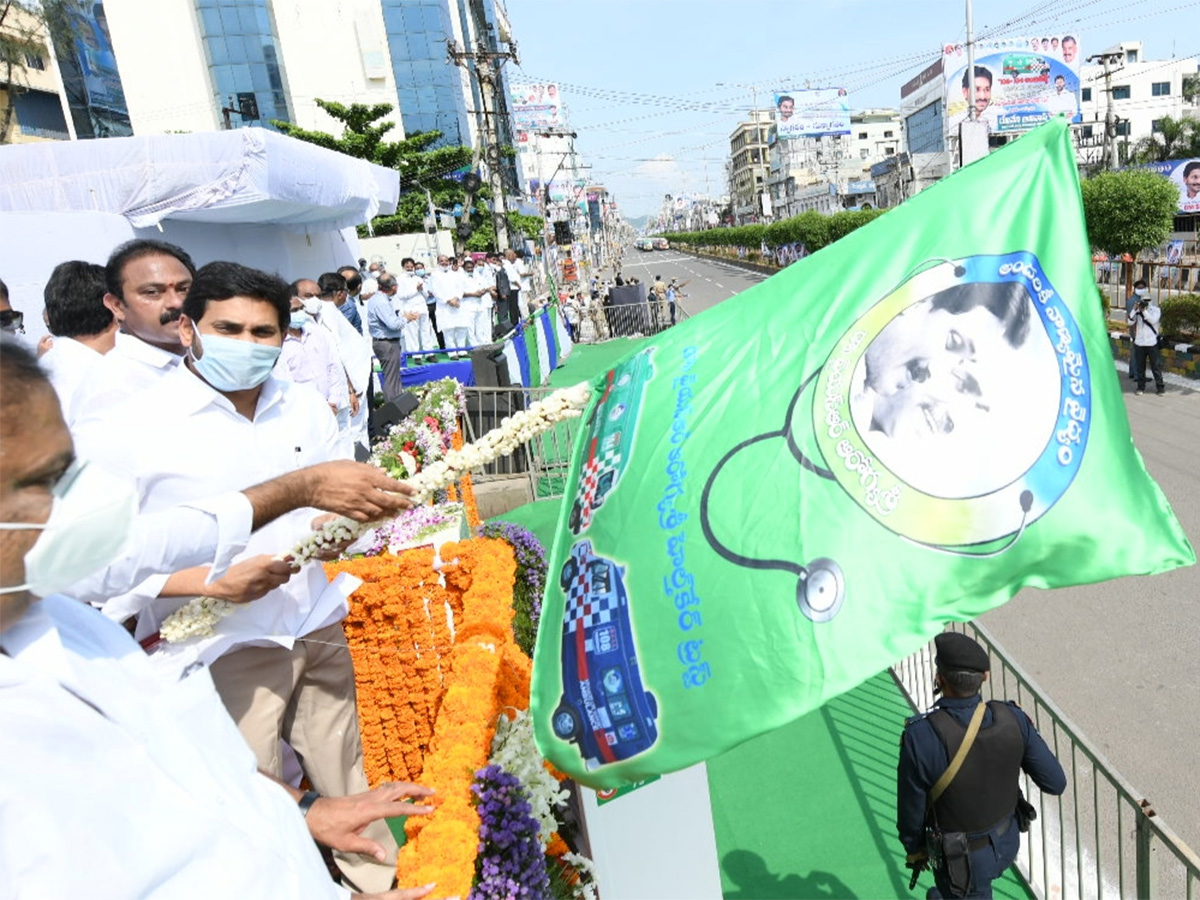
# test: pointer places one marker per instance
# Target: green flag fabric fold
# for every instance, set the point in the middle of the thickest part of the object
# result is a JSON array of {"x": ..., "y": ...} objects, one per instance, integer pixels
[{"x": 772, "y": 501}]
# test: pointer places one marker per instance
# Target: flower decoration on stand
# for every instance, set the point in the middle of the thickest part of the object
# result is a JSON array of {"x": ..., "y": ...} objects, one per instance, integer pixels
[
  {"x": 511, "y": 861},
  {"x": 531, "y": 578}
]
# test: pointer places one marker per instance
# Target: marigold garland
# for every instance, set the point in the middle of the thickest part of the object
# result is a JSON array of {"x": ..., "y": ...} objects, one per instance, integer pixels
[
  {"x": 465, "y": 487},
  {"x": 435, "y": 663}
]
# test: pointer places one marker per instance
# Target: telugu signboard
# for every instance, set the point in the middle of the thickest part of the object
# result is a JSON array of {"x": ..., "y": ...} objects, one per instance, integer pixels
[
  {"x": 1019, "y": 83},
  {"x": 1185, "y": 175},
  {"x": 800, "y": 114},
  {"x": 535, "y": 105}
]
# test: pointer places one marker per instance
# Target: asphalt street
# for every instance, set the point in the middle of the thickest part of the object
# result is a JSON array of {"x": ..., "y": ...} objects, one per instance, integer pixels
[
  {"x": 1121, "y": 659},
  {"x": 708, "y": 282}
]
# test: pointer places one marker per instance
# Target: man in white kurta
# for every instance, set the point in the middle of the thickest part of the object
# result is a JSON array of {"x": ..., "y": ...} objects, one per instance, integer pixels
[
  {"x": 410, "y": 302},
  {"x": 453, "y": 320},
  {"x": 280, "y": 662}
]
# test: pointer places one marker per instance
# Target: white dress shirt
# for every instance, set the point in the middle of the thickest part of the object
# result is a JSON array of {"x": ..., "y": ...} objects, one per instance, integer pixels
[
  {"x": 129, "y": 368},
  {"x": 70, "y": 366},
  {"x": 353, "y": 349},
  {"x": 119, "y": 783},
  {"x": 182, "y": 441},
  {"x": 211, "y": 531}
]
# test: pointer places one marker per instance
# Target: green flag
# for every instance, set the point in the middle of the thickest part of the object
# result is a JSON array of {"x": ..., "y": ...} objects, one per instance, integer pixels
[{"x": 774, "y": 500}]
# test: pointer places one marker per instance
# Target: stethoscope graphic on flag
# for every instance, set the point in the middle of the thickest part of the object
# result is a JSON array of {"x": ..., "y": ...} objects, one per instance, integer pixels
[{"x": 977, "y": 525}]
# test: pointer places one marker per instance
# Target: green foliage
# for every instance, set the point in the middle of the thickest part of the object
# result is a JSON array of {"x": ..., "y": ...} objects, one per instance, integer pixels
[
  {"x": 422, "y": 167},
  {"x": 1175, "y": 139},
  {"x": 1128, "y": 211},
  {"x": 813, "y": 229},
  {"x": 1181, "y": 316}
]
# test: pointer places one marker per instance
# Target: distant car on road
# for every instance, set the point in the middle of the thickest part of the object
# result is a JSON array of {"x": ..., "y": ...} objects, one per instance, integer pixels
[
  {"x": 661, "y": 244},
  {"x": 644, "y": 244}
]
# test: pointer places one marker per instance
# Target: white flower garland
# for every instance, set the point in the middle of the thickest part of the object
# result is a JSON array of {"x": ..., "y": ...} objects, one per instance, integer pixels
[
  {"x": 514, "y": 750},
  {"x": 198, "y": 617}
]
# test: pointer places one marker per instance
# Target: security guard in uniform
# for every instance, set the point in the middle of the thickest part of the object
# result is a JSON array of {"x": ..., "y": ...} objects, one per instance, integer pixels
[{"x": 981, "y": 800}]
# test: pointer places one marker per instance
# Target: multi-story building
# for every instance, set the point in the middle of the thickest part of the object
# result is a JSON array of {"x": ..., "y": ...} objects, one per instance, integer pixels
[
  {"x": 749, "y": 168},
  {"x": 843, "y": 161},
  {"x": 31, "y": 89},
  {"x": 203, "y": 65},
  {"x": 236, "y": 63},
  {"x": 1143, "y": 92}
]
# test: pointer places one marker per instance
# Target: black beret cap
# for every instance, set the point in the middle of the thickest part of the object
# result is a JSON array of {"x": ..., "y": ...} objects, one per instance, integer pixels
[{"x": 956, "y": 652}]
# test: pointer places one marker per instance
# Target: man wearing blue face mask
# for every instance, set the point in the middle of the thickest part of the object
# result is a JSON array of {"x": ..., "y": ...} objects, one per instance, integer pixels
[
  {"x": 98, "y": 737},
  {"x": 221, "y": 422}
]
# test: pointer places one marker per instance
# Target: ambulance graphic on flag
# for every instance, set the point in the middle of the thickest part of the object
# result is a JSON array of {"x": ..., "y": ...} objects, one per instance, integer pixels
[{"x": 604, "y": 709}]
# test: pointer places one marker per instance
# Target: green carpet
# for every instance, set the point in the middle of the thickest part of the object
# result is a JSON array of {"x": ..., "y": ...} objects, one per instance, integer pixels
[
  {"x": 587, "y": 360},
  {"x": 809, "y": 810}
]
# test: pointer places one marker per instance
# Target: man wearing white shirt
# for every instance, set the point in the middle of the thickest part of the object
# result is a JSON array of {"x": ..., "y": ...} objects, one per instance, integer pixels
[
  {"x": 94, "y": 736},
  {"x": 147, "y": 282},
  {"x": 84, "y": 330},
  {"x": 410, "y": 303},
  {"x": 318, "y": 298},
  {"x": 516, "y": 286},
  {"x": 217, "y": 424},
  {"x": 451, "y": 316},
  {"x": 474, "y": 290}
]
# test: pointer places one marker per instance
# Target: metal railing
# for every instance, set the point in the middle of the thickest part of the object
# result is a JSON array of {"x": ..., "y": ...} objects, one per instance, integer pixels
[
  {"x": 1101, "y": 838},
  {"x": 597, "y": 322},
  {"x": 544, "y": 460}
]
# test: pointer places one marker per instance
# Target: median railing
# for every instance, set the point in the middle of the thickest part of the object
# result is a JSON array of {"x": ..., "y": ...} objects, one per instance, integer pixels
[
  {"x": 543, "y": 460},
  {"x": 1100, "y": 839}
]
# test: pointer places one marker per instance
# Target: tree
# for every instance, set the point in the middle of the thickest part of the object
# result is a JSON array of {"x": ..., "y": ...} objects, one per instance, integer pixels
[
  {"x": 1128, "y": 211},
  {"x": 22, "y": 29},
  {"x": 1175, "y": 139},
  {"x": 422, "y": 168}
]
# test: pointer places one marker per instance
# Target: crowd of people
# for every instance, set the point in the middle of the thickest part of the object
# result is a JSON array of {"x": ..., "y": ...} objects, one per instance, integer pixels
[{"x": 184, "y": 429}]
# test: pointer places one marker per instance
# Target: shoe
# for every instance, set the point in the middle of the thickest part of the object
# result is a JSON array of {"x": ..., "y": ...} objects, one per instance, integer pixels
[
  {"x": 1160, "y": 391},
  {"x": 1139, "y": 392}
]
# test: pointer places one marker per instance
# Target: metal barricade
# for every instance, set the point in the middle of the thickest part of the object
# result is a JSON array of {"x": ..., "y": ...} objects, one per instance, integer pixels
[
  {"x": 1100, "y": 839},
  {"x": 544, "y": 460}
]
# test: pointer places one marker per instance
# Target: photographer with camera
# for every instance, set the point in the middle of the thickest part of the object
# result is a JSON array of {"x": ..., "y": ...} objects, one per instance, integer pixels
[
  {"x": 960, "y": 811},
  {"x": 1143, "y": 320}
]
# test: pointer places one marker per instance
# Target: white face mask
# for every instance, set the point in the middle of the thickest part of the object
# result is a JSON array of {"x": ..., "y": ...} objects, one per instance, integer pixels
[
  {"x": 89, "y": 523},
  {"x": 312, "y": 305}
]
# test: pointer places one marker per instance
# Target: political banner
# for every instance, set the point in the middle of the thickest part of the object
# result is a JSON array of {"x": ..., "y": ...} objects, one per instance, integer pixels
[
  {"x": 1185, "y": 174},
  {"x": 1019, "y": 83},
  {"x": 535, "y": 106},
  {"x": 800, "y": 114},
  {"x": 774, "y": 500}
]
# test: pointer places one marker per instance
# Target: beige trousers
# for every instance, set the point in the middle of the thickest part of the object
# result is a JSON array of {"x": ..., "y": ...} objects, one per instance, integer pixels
[{"x": 306, "y": 697}]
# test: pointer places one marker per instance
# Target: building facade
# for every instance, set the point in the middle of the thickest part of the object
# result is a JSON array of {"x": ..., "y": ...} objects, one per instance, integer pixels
[
  {"x": 749, "y": 168},
  {"x": 1143, "y": 92},
  {"x": 844, "y": 162},
  {"x": 32, "y": 107},
  {"x": 242, "y": 63}
]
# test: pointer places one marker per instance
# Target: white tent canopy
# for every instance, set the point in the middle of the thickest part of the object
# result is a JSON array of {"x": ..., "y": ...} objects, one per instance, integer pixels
[{"x": 244, "y": 176}]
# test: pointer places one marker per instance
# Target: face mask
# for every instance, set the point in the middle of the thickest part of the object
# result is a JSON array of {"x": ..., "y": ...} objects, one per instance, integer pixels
[
  {"x": 312, "y": 305},
  {"x": 299, "y": 318},
  {"x": 232, "y": 365},
  {"x": 420, "y": 273},
  {"x": 88, "y": 525}
]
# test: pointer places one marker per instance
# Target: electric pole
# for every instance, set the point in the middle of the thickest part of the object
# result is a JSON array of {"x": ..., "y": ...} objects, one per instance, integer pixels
[{"x": 484, "y": 66}]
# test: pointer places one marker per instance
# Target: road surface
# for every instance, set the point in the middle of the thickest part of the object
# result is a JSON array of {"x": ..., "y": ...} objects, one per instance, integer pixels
[{"x": 1121, "y": 659}]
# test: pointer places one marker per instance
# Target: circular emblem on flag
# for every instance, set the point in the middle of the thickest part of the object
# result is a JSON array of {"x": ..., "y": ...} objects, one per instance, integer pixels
[{"x": 955, "y": 411}]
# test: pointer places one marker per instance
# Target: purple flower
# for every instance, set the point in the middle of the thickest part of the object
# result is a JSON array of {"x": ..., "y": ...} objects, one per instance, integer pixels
[{"x": 511, "y": 862}]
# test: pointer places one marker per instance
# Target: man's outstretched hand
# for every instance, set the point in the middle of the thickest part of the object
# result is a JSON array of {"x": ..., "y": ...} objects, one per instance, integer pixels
[{"x": 337, "y": 822}]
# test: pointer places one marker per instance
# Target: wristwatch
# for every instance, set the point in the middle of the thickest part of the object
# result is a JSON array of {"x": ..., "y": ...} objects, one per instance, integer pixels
[{"x": 306, "y": 802}]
